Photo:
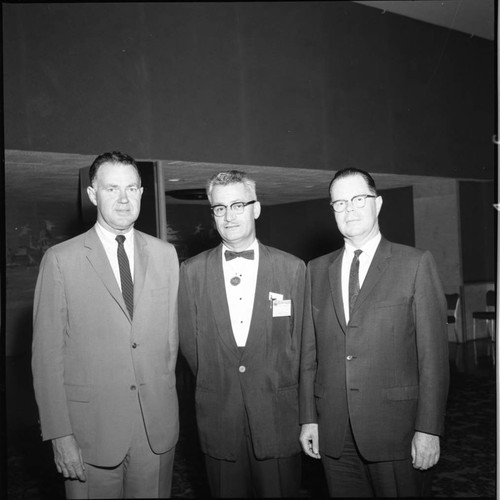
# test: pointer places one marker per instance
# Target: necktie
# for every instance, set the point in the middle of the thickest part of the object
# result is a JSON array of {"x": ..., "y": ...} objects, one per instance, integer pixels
[
  {"x": 125, "y": 276},
  {"x": 354, "y": 280},
  {"x": 247, "y": 254}
]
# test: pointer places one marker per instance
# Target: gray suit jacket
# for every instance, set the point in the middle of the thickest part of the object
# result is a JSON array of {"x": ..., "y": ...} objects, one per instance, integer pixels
[
  {"x": 387, "y": 370},
  {"x": 90, "y": 361},
  {"x": 261, "y": 383}
]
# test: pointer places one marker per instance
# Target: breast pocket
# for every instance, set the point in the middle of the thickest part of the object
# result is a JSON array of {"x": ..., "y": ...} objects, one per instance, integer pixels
[
  {"x": 397, "y": 302},
  {"x": 158, "y": 292},
  {"x": 77, "y": 393}
]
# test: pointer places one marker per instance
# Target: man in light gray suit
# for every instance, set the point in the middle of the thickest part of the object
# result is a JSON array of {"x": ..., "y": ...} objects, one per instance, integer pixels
[{"x": 105, "y": 346}]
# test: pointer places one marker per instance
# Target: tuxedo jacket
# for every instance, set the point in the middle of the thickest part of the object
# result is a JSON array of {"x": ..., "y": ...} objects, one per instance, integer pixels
[
  {"x": 91, "y": 361},
  {"x": 387, "y": 370},
  {"x": 260, "y": 381}
]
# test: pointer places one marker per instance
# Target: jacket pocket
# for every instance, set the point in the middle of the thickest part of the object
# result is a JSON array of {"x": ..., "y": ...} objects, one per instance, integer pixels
[
  {"x": 319, "y": 390},
  {"x": 402, "y": 393},
  {"x": 79, "y": 393},
  {"x": 392, "y": 303}
]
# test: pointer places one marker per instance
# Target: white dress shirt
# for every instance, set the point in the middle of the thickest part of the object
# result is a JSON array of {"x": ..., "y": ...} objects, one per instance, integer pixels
[
  {"x": 240, "y": 297},
  {"x": 111, "y": 247},
  {"x": 365, "y": 260}
]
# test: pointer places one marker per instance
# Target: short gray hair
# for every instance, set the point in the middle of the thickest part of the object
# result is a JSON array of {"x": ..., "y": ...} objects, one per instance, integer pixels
[{"x": 231, "y": 177}]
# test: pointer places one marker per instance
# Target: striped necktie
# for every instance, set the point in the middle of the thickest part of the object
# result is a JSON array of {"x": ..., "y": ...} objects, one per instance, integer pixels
[
  {"x": 354, "y": 280},
  {"x": 125, "y": 276}
]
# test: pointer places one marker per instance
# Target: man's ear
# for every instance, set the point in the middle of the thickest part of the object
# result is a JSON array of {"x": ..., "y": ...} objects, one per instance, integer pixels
[
  {"x": 92, "y": 195},
  {"x": 378, "y": 203},
  {"x": 256, "y": 209}
]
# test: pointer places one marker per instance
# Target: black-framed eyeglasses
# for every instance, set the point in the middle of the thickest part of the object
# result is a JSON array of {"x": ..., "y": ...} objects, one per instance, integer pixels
[
  {"x": 237, "y": 207},
  {"x": 358, "y": 201}
]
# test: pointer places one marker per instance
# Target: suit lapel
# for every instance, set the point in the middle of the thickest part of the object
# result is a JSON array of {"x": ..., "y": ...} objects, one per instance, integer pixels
[
  {"x": 378, "y": 266},
  {"x": 217, "y": 297},
  {"x": 141, "y": 259},
  {"x": 261, "y": 315},
  {"x": 98, "y": 259},
  {"x": 335, "y": 276}
]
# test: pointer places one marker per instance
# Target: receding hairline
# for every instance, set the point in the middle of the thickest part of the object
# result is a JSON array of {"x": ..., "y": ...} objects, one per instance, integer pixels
[
  {"x": 231, "y": 178},
  {"x": 112, "y": 157},
  {"x": 120, "y": 163},
  {"x": 354, "y": 172}
]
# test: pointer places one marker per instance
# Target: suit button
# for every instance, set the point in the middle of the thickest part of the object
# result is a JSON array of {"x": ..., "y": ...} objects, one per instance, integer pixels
[
  {"x": 242, "y": 369},
  {"x": 133, "y": 387},
  {"x": 134, "y": 345},
  {"x": 349, "y": 358}
]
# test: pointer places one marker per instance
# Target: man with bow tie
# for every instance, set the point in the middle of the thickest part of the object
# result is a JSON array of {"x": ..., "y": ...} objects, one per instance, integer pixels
[{"x": 240, "y": 320}]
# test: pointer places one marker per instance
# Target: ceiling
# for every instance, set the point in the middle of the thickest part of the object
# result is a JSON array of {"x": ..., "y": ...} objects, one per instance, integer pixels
[
  {"x": 54, "y": 176},
  {"x": 473, "y": 17}
]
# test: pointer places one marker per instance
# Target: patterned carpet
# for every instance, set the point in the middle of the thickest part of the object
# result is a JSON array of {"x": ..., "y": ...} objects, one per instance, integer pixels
[{"x": 467, "y": 467}]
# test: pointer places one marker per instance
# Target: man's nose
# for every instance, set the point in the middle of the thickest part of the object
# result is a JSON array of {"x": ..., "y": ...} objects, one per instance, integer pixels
[
  {"x": 349, "y": 206},
  {"x": 123, "y": 198},
  {"x": 229, "y": 215}
]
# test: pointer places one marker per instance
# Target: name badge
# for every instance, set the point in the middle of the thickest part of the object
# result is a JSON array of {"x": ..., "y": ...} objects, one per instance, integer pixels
[{"x": 282, "y": 308}]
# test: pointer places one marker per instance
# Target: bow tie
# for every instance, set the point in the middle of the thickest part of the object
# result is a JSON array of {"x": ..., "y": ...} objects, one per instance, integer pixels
[{"x": 247, "y": 254}]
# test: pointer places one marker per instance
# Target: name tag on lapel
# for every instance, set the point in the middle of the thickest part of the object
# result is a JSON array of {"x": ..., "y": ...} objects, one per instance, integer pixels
[{"x": 282, "y": 308}]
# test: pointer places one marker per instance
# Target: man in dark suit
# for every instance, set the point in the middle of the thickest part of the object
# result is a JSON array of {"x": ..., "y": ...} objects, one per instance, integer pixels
[
  {"x": 374, "y": 370},
  {"x": 240, "y": 321},
  {"x": 105, "y": 346}
]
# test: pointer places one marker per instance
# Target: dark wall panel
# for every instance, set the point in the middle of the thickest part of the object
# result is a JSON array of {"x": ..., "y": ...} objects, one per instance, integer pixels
[
  {"x": 294, "y": 84},
  {"x": 478, "y": 223},
  {"x": 308, "y": 229},
  {"x": 305, "y": 229}
]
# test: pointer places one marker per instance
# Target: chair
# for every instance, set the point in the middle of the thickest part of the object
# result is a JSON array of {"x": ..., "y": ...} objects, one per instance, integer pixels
[
  {"x": 488, "y": 316},
  {"x": 453, "y": 302}
]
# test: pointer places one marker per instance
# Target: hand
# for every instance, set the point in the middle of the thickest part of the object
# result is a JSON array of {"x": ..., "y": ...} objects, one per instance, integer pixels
[
  {"x": 309, "y": 439},
  {"x": 68, "y": 458},
  {"x": 424, "y": 450}
]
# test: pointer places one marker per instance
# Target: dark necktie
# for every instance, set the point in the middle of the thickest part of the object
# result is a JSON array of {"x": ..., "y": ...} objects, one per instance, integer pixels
[
  {"x": 354, "y": 280},
  {"x": 125, "y": 276},
  {"x": 247, "y": 254}
]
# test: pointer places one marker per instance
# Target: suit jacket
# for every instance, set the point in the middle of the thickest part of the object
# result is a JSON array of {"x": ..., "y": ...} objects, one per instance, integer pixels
[
  {"x": 90, "y": 361},
  {"x": 387, "y": 370},
  {"x": 263, "y": 381}
]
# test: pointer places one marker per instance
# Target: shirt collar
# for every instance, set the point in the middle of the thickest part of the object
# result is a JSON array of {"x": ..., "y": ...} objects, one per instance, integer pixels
[
  {"x": 110, "y": 238},
  {"x": 369, "y": 248}
]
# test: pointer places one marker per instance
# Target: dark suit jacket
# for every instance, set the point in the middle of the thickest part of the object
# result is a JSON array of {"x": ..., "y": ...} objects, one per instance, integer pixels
[
  {"x": 388, "y": 369},
  {"x": 263, "y": 381},
  {"x": 90, "y": 360}
]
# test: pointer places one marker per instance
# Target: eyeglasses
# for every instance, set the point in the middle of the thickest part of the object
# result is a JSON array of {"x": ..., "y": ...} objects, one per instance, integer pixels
[
  {"x": 358, "y": 201},
  {"x": 237, "y": 208}
]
